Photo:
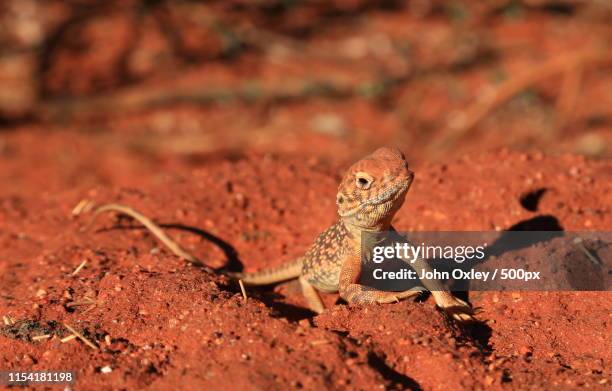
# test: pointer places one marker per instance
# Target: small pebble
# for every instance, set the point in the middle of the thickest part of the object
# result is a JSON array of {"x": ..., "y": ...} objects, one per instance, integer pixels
[{"x": 106, "y": 369}]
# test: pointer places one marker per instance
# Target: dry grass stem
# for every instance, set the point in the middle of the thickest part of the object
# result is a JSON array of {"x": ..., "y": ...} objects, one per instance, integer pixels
[
  {"x": 88, "y": 309},
  {"x": 81, "y": 337},
  {"x": 244, "y": 295},
  {"x": 68, "y": 338},
  {"x": 319, "y": 342},
  {"x": 78, "y": 269},
  {"x": 83, "y": 206},
  {"x": 86, "y": 301}
]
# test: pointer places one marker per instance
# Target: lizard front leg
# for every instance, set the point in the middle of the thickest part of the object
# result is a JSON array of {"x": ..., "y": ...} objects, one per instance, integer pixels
[
  {"x": 453, "y": 306},
  {"x": 355, "y": 293},
  {"x": 449, "y": 303}
]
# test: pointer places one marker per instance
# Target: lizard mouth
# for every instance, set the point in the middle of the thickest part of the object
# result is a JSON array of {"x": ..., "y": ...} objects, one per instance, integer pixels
[{"x": 385, "y": 196}]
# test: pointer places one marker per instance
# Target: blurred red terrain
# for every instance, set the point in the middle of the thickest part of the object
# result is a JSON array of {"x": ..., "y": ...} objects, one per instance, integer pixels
[{"x": 238, "y": 118}]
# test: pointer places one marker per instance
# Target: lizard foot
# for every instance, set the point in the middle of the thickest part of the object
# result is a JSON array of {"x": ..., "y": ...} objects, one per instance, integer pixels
[
  {"x": 395, "y": 297},
  {"x": 454, "y": 307}
]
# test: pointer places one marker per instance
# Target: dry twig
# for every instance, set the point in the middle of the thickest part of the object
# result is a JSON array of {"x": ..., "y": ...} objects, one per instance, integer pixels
[{"x": 470, "y": 117}]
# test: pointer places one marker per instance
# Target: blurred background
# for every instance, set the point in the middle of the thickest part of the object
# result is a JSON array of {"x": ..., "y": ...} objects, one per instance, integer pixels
[{"x": 83, "y": 81}]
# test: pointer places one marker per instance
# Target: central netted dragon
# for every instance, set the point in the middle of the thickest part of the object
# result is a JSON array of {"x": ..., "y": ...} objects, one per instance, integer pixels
[{"x": 369, "y": 196}]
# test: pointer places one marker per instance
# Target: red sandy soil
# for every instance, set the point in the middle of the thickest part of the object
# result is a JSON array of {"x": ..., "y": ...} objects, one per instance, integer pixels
[
  {"x": 170, "y": 323},
  {"x": 238, "y": 150}
]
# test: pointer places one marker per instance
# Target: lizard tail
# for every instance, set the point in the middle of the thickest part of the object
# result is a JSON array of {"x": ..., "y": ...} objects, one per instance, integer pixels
[
  {"x": 153, "y": 228},
  {"x": 284, "y": 272}
]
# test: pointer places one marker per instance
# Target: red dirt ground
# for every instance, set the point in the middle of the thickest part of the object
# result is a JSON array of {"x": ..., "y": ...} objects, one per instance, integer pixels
[
  {"x": 170, "y": 323},
  {"x": 231, "y": 122}
]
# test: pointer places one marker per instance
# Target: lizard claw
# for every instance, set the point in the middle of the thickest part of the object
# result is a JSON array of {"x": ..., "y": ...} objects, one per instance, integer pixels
[
  {"x": 463, "y": 317},
  {"x": 458, "y": 309},
  {"x": 477, "y": 310},
  {"x": 461, "y": 314}
]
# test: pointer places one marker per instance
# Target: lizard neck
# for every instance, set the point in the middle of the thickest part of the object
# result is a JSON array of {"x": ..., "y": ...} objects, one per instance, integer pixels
[{"x": 355, "y": 231}]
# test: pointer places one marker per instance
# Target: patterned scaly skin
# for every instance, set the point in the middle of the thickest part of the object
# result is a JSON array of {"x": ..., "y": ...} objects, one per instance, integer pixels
[{"x": 370, "y": 194}]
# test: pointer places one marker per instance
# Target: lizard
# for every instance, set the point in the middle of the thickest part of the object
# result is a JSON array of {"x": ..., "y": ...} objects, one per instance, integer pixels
[{"x": 369, "y": 196}]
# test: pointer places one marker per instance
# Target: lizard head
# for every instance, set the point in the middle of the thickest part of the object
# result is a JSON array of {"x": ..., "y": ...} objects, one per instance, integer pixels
[{"x": 374, "y": 189}]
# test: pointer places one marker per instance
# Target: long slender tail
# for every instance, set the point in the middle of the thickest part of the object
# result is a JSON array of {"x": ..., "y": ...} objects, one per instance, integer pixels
[
  {"x": 284, "y": 272},
  {"x": 151, "y": 226}
]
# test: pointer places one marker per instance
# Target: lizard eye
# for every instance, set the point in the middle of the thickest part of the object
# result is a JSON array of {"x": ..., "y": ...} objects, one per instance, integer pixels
[{"x": 363, "y": 180}]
